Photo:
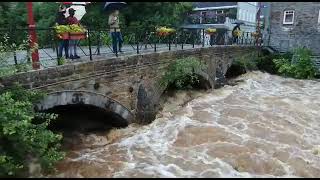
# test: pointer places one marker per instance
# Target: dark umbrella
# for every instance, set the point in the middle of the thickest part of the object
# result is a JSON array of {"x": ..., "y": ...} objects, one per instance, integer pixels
[{"x": 111, "y": 6}]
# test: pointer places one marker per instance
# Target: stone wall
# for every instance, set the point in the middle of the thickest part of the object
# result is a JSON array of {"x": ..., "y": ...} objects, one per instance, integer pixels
[
  {"x": 130, "y": 80},
  {"x": 304, "y": 32}
]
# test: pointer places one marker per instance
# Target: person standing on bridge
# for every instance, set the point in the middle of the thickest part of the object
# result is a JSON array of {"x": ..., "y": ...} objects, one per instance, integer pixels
[
  {"x": 234, "y": 33},
  {"x": 73, "y": 43},
  {"x": 116, "y": 35},
  {"x": 62, "y": 20}
]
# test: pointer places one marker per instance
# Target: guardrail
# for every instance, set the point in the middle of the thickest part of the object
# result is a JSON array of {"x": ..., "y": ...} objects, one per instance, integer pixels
[{"x": 99, "y": 43}]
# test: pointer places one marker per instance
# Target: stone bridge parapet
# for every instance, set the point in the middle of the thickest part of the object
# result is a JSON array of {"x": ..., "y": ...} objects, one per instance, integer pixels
[{"x": 130, "y": 81}]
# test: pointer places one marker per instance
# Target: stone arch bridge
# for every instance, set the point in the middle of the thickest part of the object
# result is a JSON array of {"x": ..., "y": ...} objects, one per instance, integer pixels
[{"x": 128, "y": 85}]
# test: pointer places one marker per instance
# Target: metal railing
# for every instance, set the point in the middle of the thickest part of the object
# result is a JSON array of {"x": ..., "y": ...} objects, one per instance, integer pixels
[{"x": 98, "y": 43}]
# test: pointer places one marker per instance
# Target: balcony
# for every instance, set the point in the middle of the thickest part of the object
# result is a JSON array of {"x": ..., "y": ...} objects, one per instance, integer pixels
[{"x": 210, "y": 19}]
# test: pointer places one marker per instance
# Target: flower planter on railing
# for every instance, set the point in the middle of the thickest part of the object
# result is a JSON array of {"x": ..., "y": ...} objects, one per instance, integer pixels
[
  {"x": 163, "y": 31},
  {"x": 255, "y": 35},
  {"x": 72, "y": 35},
  {"x": 210, "y": 31},
  {"x": 71, "y": 32}
]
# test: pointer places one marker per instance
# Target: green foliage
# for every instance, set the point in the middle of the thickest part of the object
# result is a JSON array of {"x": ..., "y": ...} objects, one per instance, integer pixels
[
  {"x": 154, "y": 14},
  {"x": 300, "y": 66},
  {"x": 61, "y": 61},
  {"x": 7, "y": 49},
  {"x": 181, "y": 73},
  {"x": 21, "y": 139},
  {"x": 139, "y": 16},
  {"x": 106, "y": 38},
  {"x": 247, "y": 61}
]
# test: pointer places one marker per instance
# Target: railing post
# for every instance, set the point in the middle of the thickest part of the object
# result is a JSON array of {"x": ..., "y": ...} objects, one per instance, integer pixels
[
  {"x": 155, "y": 45},
  {"x": 137, "y": 41},
  {"x": 89, "y": 40},
  {"x": 55, "y": 43},
  {"x": 169, "y": 42},
  {"x": 14, "y": 52},
  {"x": 176, "y": 38},
  {"x": 242, "y": 38},
  {"x": 99, "y": 42},
  {"x": 182, "y": 39},
  {"x": 15, "y": 57},
  {"x": 192, "y": 39},
  {"x": 203, "y": 38},
  {"x": 246, "y": 41},
  {"x": 146, "y": 41}
]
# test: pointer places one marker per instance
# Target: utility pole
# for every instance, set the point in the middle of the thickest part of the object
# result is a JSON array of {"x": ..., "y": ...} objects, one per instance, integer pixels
[
  {"x": 33, "y": 37},
  {"x": 258, "y": 42}
]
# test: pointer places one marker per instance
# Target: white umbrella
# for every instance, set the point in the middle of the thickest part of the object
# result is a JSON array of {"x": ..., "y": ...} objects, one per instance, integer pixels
[{"x": 80, "y": 9}]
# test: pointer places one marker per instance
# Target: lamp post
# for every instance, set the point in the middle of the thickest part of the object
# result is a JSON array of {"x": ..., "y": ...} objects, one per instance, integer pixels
[{"x": 33, "y": 37}]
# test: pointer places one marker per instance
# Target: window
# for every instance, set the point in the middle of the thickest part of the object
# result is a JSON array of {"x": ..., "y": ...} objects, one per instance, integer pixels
[
  {"x": 203, "y": 17},
  {"x": 288, "y": 17},
  {"x": 219, "y": 12}
]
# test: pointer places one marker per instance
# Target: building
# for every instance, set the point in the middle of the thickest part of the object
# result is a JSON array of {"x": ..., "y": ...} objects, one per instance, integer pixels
[
  {"x": 294, "y": 24},
  {"x": 223, "y": 15}
]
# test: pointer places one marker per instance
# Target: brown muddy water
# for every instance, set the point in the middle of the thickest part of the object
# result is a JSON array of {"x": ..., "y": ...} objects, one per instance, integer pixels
[{"x": 265, "y": 126}]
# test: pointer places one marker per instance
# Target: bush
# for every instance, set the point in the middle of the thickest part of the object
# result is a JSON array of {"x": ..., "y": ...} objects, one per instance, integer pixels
[
  {"x": 265, "y": 61},
  {"x": 300, "y": 66},
  {"x": 181, "y": 74},
  {"x": 22, "y": 140}
]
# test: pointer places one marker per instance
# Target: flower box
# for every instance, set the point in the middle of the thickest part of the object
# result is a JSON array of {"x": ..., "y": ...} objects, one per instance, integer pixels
[
  {"x": 163, "y": 31},
  {"x": 210, "y": 31},
  {"x": 77, "y": 36},
  {"x": 72, "y": 36},
  {"x": 255, "y": 34}
]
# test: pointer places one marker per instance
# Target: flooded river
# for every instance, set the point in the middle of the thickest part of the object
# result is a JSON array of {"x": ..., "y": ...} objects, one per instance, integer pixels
[{"x": 265, "y": 126}]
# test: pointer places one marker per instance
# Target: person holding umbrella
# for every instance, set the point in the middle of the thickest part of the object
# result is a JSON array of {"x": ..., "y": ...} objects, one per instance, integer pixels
[
  {"x": 116, "y": 35},
  {"x": 114, "y": 24},
  {"x": 235, "y": 30}
]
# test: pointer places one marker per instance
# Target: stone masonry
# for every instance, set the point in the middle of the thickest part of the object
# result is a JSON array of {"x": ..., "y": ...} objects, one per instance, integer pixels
[
  {"x": 125, "y": 85},
  {"x": 305, "y": 31}
]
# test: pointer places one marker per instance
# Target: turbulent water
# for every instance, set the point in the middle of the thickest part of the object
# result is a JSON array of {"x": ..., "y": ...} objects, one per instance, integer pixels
[{"x": 265, "y": 126}]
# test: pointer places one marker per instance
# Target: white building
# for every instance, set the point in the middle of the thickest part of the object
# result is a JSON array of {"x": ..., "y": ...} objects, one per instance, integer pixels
[{"x": 223, "y": 15}]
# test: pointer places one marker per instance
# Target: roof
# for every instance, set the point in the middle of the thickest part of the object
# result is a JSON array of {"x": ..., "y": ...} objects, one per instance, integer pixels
[{"x": 213, "y": 4}]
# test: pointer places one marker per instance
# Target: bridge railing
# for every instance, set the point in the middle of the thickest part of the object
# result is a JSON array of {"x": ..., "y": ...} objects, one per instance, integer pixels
[{"x": 98, "y": 43}]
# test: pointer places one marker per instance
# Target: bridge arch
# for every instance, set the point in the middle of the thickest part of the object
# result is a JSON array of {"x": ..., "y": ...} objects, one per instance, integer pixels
[
  {"x": 150, "y": 92},
  {"x": 62, "y": 98}
]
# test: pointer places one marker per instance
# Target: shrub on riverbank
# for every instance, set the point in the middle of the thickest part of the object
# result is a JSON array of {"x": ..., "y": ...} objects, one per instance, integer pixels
[
  {"x": 22, "y": 140},
  {"x": 252, "y": 61},
  {"x": 181, "y": 73},
  {"x": 299, "y": 66}
]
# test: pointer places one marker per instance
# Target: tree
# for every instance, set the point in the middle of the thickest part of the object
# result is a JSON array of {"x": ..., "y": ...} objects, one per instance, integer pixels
[{"x": 20, "y": 138}]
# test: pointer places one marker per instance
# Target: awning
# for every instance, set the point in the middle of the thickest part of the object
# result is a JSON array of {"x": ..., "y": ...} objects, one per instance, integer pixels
[{"x": 204, "y": 26}]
